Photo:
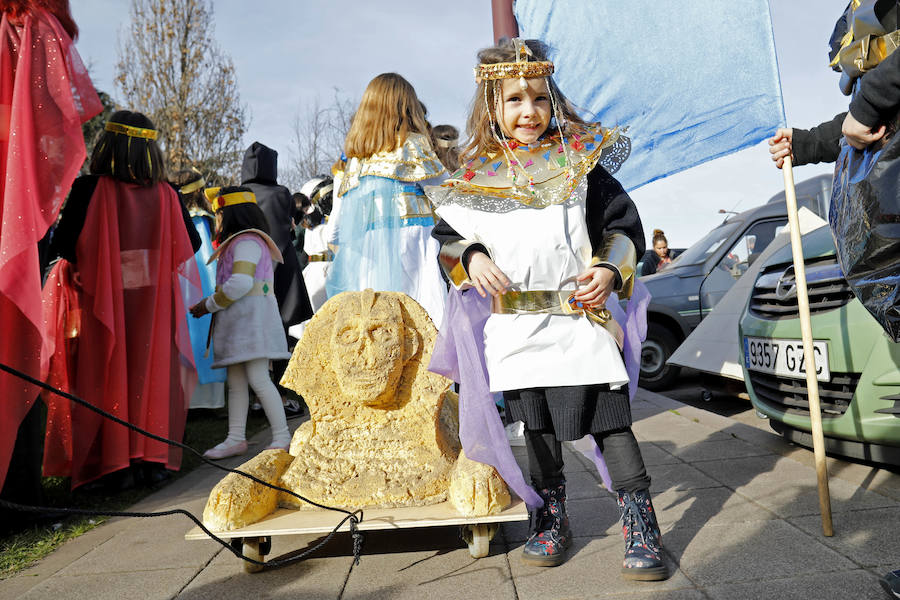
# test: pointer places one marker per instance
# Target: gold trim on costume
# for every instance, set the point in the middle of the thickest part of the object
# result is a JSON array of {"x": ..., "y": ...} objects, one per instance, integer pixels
[
  {"x": 413, "y": 161},
  {"x": 221, "y": 299},
  {"x": 451, "y": 260},
  {"x": 618, "y": 252},
  {"x": 138, "y": 132},
  {"x": 555, "y": 302},
  {"x": 243, "y": 267},
  {"x": 320, "y": 257},
  {"x": 491, "y": 183}
]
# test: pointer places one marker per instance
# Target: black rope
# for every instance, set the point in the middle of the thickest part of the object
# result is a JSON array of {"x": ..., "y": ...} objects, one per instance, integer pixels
[{"x": 351, "y": 515}]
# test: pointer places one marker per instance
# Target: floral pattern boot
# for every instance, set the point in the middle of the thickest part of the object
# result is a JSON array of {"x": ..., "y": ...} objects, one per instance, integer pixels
[
  {"x": 643, "y": 548},
  {"x": 550, "y": 533}
]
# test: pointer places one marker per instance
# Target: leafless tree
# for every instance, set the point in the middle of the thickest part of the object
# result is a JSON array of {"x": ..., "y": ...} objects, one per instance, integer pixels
[
  {"x": 318, "y": 140},
  {"x": 170, "y": 68}
]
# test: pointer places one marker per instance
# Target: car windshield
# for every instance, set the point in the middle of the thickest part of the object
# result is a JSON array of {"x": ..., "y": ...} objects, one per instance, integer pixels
[{"x": 707, "y": 245}]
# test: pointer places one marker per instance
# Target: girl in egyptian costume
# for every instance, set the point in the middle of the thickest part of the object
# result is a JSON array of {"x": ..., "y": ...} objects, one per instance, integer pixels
[
  {"x": 115, "y": 307},
  {"x": 210, "y": 390},
  {"x": 543, "y": 241},
  {"x": 381, "y": 221},
  {"x": 247, "y": 331}
]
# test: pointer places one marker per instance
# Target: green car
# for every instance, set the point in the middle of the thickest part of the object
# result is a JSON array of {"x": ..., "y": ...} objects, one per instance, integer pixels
[{"x": 857, "y": 365}]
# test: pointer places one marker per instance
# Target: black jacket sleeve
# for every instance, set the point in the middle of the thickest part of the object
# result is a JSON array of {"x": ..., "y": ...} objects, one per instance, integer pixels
[
  {"x": 879, "y": 93},
  {"x": 609, "y": 209},
  {"x": 71, "y": 220},
  {"x": 196, "y": 242},
  {"x": 822, "y": 143}
]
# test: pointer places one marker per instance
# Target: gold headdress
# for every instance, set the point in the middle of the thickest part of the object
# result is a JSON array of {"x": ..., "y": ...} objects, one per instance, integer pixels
[
  {"x": 138, "y": 132},
  {"x": 234, "y": 198},
  {"x": 521, "y": 68}
]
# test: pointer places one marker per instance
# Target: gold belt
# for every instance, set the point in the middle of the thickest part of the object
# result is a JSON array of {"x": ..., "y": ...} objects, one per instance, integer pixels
[
  {"x": 320, "y": 257},
  {"x": 555, "y": 302}
]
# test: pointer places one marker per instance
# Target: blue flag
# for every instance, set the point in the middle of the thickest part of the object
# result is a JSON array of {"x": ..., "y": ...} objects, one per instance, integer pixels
[{"x": 692, "y": 80}]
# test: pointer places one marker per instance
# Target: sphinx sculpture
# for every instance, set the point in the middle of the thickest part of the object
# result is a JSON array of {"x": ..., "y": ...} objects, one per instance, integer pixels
[{"x": 383, "y": 430}]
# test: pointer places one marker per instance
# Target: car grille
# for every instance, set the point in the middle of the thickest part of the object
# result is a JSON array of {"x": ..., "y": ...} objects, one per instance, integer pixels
[
  {"x": 775, "y": 297},
  {"x": 790, "y": 395}
]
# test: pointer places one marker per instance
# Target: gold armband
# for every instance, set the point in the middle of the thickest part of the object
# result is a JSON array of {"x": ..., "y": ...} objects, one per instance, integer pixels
[
  {"x": 222, "y": 300},
  {"x": 618, "y": 252},
  {"x": 243, "y": 267},
  {"x": 451, "y": 260}
]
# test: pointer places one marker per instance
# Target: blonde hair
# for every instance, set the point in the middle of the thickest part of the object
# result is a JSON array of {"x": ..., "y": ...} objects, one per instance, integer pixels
[
  {"x": 658, "y": 235},
  {"x": 481, "y": 140},
  {"x": 388, "y": 112}
]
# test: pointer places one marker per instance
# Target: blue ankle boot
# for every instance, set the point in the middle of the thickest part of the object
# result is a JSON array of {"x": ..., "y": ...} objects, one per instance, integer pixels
[
  {"x": 551, "y": 536},
  {"x": 643, "y": 558}
]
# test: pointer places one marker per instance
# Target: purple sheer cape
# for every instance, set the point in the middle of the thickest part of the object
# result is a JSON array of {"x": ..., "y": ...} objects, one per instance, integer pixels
[{"x": 459, "y": 355}]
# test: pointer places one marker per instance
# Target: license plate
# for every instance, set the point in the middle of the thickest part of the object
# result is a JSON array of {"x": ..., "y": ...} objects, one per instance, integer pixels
[{"x": 784, "y": 357}]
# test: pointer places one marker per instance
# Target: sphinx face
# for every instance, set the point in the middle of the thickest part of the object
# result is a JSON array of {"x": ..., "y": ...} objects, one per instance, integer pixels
[{"x": 368, "y": 353}]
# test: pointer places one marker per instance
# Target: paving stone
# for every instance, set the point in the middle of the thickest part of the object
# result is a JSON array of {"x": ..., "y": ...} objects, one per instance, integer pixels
[
  {"x": 143, "y": 584},
  {"x": 857, "y": 584},
  {"x": 789, "y": 488},
  {"x": 679, "y": 476},
  {"x": 717, "y": 450},
  {"x": 160, "y": 545},
  {"x": 870, "y": 538},
  {"x": 695, "y": 508},
  {"x": 314, "y": 579},
  {"x": 744, "y": 552},
  {"x": 592, "y": 570},
  {"x": 438, "y": 574}
]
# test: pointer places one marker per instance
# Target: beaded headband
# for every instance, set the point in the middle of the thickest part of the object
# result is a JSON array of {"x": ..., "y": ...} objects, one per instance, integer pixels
[
  {"x": 512, "y": 70},
  {"x": 522, "y": 68},
  {"x": 138, "y": 132},
  {"x": 234, "y": 198}
]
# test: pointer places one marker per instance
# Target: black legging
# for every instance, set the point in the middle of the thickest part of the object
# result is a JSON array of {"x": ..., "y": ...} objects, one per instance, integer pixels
[{"x": 619, "y": 448}]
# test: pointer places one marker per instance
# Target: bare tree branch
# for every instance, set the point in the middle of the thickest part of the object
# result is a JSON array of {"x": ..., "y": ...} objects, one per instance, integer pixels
[
  {"x": 170, "y": 69},
  {"x": 318, "y": 138}
]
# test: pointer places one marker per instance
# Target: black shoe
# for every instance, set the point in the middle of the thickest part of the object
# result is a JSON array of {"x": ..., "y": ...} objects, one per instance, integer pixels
[
  {"x": 292, "y": 408},
  {"x": 891, "y": 583},
  {"x": 550, "y": 534}
]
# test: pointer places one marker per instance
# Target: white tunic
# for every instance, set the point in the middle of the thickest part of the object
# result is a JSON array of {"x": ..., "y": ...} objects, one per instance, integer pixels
[
  {"x": 315, "y": 272},
  {"x": 540, "y": 249}
]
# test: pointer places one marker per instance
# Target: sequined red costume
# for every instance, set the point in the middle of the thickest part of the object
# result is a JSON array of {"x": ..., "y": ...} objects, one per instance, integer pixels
[
  {"x": 45, "y": 96},
  {"x": 122, "y": 341}
]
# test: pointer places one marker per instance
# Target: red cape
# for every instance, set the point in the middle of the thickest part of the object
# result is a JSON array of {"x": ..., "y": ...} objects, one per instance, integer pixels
[
  {"x": 121, "y": 338},
  {"x": 45, "y": 96}
]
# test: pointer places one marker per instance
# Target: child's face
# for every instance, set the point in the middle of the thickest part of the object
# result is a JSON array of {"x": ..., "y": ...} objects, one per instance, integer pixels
[
  {"x": 218, "y": 220},
  {"x": 525, "y": 114}
]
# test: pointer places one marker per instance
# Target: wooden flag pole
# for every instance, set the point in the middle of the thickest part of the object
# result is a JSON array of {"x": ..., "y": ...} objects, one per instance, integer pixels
[{"x": 812, "y": 383}]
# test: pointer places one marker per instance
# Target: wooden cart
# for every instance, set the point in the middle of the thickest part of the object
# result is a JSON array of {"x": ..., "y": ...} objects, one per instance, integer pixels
[{"x": 256, "y": 540}]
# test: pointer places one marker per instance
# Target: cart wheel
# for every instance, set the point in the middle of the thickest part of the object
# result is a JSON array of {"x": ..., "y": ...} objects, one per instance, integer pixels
[
  {"x": 478, "y": 537},
  {"x": 251, "y": 549}
]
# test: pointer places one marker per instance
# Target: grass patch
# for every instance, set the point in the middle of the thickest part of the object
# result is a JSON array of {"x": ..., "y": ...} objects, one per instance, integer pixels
[{"x": 34, "y": 538}]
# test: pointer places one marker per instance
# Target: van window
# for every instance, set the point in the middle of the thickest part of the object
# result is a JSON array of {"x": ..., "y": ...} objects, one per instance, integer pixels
[
  {"x": 707, "y": 245},
  {"x": 748, "y": 248}
]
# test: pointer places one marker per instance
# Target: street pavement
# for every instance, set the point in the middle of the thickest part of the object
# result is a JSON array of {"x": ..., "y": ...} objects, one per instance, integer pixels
[{"x": 738, "y": 507}]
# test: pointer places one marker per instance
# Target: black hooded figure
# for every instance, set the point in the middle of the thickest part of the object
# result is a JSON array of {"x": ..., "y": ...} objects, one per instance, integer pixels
[{"x": 259, "y": 172}]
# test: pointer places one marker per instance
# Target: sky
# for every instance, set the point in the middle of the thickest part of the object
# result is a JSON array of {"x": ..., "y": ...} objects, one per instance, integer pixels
[{"x": 289, "y": 53}]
